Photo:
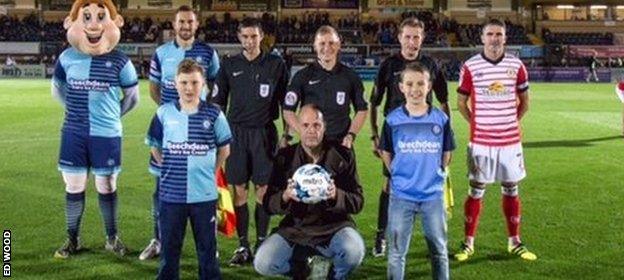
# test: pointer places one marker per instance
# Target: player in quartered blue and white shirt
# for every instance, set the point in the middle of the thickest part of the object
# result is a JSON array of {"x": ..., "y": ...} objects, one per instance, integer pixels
[
  {"x": 96, "y": 89},
  {"x": 163, "y": 69},
  {"x": 190, "y": 139},
  {"x": 416, "y": 145}
]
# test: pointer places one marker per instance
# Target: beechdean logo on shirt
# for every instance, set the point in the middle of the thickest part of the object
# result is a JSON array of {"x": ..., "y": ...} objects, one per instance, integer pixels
[{"x": 340, "y": 97}]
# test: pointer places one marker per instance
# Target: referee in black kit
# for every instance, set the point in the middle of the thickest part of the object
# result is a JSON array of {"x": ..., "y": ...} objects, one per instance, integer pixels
[
  {"x": 254, "y": 83},
  {"x": 330, "y": 85},
  {"x": 411, "y": 36}
]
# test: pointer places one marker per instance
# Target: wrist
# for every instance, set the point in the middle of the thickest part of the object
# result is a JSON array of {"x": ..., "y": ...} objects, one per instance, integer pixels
[
  {"x": 352, "y": 134},
  {"x": 287, "y": 137}
]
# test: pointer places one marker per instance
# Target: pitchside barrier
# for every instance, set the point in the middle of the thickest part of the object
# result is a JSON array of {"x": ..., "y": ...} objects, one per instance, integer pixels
[{"x": 363, "y": 58}]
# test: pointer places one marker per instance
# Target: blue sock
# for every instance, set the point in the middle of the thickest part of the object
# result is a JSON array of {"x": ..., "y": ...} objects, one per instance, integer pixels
[
  {"x": 108, "y": 208},
  {"x": 74, "y": 207}
]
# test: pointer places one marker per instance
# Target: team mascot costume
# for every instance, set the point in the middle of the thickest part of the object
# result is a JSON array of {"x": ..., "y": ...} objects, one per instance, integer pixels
[{"x": 96, "y": 85}]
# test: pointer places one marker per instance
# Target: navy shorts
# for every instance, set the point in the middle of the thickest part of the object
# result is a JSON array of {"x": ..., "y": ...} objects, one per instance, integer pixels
[{"x": 81, "y": 153}]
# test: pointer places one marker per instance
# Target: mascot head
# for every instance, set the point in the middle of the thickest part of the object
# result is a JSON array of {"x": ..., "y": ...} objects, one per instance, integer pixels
[{"x": 93, "y": 26}]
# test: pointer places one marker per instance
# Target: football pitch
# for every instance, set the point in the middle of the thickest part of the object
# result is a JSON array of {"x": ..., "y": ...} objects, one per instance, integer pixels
[{"x": 573, "y": 197}]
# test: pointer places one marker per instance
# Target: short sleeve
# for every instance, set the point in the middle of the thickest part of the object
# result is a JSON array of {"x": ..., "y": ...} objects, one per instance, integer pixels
[
  {"x": 220, "y": 89},
  {"x": 155, "y": 73},
  {"x": 440, "y": 87},
  {"x": 222, "y": 131},
  {"x": 213, "y": 68},
  {"x": 59, "y": 77},
  {"x": 357, "y": 97},
  {"x": 381, "y": 84},
  {"x": 522, "y": 81},
  {"x": 128, "y": 76},
  {"x": 154, "y": 136},
  {"x": 465, "y": 81},
  {"x": 385, "y": 143},
  {"x": 449, "y": 138},
  {"x": 294, "y": 92}
]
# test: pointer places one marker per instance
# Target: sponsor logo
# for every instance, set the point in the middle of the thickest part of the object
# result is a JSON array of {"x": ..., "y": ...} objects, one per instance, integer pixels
[
  {"x": 236, "y": 74},
  {"x": 419, "y": 147},
  {"x": 291, "y": 98},
  {"x": 511, "y": 72},
  {"x": 496, "y": 88},
  {"x": 108, "y": 64},
  {"x": 88, "y": 85},
  {"x": 436, "y": 129},
  {"x": 340, "y": 97},
  {"x": 168, "y": 123},
  {"x": 206, "y": 124},
  {"x": 264, "y": 90},
  {"x": 198, "y": 59},
  {"x": 314, "y": 82},
  {"x": 397, "y": 73},
  {"x": 187, "y": 148}
]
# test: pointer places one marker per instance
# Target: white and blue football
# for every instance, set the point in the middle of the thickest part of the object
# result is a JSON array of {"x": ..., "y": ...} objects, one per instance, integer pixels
[{"x": 311, "y": 183}]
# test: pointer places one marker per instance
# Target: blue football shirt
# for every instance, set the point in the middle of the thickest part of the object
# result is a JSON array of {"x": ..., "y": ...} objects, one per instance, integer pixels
[
  {"x": 93, "y": 90},
  {"x": 168, "y": 56},
  {"x": 417, "y": 144},
  {"x": 189, "y": 147}
]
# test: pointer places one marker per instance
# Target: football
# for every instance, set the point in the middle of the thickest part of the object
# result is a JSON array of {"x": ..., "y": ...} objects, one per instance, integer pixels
[{"x": 311, "y": 183}]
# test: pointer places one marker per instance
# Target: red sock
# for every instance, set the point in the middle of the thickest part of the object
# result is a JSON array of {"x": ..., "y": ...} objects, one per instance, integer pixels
[
  {"x": 472, "y": 209},
  {"x": 512, "y": 209}
]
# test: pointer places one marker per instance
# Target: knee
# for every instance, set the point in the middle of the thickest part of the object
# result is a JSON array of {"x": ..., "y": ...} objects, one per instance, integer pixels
[
  {"x": 477, "y": 190},
  {"x": 353, "y": 249},
  {"x": 260, "y": 191},
  {"x": 240, "y": 195},
  {"x": 509, "y": 188},
  {"x": 75, "y": 183},
  {"x": 106, "y": 184},
  {"x": 263, "y": 263}
]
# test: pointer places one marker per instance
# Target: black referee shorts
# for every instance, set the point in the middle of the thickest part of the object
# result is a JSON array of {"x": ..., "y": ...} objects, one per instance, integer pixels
[{"x": 251, "y": 154}]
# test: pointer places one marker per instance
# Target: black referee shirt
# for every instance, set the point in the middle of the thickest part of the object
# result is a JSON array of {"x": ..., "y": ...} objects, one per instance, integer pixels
[
  {"x": 388, "y": 78},
  {"x": 254, "y": 89},
  {"x": 332, "y": 91}
]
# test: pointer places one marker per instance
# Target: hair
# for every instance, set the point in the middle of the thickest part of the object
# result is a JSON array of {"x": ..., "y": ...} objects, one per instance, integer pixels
[
  {"x": 250, "y": 22},
  {"x": 315, "y": 108},
  {"x": 327, "y": 29},
  {"x": 185, "y": 8},
  {"x": 494, "y": 22},
  {"x": 415, "y": 67},
  {"x": 188, "y": 66},
  {"x": 411, "y": 22},
  {"x": 108, "y": 4}
]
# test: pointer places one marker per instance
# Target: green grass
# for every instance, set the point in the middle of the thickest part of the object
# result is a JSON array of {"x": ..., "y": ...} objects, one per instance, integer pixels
[{"x": 573, "y": 214}]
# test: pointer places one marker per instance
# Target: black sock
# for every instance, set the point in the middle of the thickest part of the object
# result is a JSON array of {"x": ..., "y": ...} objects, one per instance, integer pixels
[
  {"x": 242, "y": 224},
  {"x": 262, "y": 219},
  {"x": 382, "y": 215},
  {"x": 74, "y": 207},
  {"x": 108, "y": 208}
]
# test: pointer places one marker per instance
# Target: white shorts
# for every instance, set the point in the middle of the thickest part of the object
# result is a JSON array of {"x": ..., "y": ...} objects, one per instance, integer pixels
[
  {"x": 619, "y": 93},
  {"x": 488, "y": 164}
]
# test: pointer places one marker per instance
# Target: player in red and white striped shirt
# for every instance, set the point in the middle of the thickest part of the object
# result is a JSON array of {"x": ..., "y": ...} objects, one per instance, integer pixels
[
  {"x": 620, "y": 93},
  {"x": 493, "y": 98}
]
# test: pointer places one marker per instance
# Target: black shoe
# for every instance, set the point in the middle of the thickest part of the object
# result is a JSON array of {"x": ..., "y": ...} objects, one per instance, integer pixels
[
  {"x": 380, "y": 246},
  {"x": 242, "y": 256}
]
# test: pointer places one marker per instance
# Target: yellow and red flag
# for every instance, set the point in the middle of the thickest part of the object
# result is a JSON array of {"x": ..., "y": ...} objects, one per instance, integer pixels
[{"x": 226, "y": 219}]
